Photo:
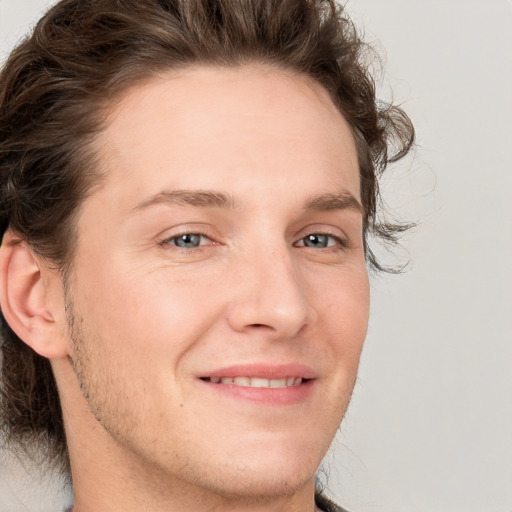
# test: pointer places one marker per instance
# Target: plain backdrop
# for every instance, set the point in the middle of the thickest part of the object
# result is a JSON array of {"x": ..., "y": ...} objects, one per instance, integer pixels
[{"x": 430, "y": 424}]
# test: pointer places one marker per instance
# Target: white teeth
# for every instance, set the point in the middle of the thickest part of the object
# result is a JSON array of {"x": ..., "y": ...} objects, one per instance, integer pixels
[
  {"x": 258, "y": 382},
  {"x": 277, "y": 383},
  {"x": 242, "y": 381}
]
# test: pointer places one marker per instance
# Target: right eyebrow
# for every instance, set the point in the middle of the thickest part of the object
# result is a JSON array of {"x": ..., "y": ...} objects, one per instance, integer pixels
[{"x": 198, "y": 198}]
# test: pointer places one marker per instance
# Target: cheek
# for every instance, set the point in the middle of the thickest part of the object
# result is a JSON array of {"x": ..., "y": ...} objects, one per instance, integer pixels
[
  {"x": 343, "y": 308},
  {"x": 150, "y": 311}
]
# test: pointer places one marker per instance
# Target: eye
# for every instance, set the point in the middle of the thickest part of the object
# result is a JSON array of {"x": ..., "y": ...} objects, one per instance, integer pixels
[
  {"x": 187, "y": 240},
  {"x": 320, "y": 241}
]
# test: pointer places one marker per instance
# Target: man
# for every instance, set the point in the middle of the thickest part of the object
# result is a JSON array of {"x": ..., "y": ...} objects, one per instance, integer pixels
[{"x": 187, "y": 192}]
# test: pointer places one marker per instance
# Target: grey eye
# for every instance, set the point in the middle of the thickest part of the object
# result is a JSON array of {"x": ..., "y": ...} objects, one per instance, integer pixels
[
  {"x": 187, "y": 241},
  {"x": 317, "y": 241}
]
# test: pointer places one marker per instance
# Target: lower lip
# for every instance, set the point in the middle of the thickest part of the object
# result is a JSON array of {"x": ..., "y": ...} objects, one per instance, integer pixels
[{"x": 290, "y": 395}]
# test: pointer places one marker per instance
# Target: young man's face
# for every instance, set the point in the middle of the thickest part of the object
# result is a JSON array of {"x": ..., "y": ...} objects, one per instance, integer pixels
[{"x": 225, "y": 243}]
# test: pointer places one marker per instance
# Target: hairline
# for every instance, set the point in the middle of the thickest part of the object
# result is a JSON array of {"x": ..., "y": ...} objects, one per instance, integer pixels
[{"x": 108, "y": 106}]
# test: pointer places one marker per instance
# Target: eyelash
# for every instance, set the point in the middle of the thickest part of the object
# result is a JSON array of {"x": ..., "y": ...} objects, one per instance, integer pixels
[
  {"x": 341, "y": 244},
  {"x": 167, "y": 241}
]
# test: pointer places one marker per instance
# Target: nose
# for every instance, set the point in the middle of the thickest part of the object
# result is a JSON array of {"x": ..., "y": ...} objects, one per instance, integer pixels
[{"x": 270, "y": 296}]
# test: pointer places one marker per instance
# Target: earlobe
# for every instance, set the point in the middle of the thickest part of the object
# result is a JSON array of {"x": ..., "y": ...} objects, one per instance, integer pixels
[{"x": 23, "y": 298}]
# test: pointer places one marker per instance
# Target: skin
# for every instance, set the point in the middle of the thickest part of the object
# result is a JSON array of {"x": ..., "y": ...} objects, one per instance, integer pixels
[{"x": 141, "y": 319}]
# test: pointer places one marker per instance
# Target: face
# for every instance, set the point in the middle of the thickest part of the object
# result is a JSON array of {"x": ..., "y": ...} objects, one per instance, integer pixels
[{"x": 219, "y": 292}]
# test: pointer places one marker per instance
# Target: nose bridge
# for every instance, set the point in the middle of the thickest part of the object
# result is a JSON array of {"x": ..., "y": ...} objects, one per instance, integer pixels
[{"x": 271, "y": 293}]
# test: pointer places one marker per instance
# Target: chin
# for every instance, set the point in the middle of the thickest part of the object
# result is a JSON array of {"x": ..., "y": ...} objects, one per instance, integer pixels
[
  {"x": 259, "y": 474},
  {"x": 247, "y": 482}
]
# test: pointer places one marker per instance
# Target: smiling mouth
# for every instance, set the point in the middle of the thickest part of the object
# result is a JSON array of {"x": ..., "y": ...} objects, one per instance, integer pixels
[{"x": 257, "y": 382}]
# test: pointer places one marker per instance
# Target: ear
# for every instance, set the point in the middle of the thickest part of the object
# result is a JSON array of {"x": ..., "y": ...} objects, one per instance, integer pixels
[{"x": 32, "y": 311}]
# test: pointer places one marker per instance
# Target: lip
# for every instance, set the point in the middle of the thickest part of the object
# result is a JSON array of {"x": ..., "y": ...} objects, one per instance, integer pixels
[
  {"x": 264, "y": 371},
  {"x": 274, "y": 397}
]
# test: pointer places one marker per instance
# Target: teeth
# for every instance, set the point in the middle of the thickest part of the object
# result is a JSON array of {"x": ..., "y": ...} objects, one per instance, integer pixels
[
  {"x": 258, "y": 382},
  {"x": 242, "y": 381},
  {"x": 277, "y": 383}
]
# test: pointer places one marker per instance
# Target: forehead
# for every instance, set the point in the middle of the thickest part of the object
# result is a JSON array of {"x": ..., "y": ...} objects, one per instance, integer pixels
[{"x": 205, "y": 122}]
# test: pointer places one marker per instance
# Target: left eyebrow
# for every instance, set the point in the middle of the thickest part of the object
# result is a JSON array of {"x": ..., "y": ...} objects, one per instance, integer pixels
[{"x": 343, "y": 200}]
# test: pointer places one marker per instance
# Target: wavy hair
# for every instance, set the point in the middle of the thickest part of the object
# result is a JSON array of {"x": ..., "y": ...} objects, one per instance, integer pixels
[{"x": 55, "y": 90}]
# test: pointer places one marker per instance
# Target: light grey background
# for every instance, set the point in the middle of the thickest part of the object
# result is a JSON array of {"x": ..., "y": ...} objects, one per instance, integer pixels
[{"x": 430, "y": 424}]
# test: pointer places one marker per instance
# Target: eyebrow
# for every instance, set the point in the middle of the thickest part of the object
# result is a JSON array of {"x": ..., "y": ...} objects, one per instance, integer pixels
[
  {"x": 198, "y": 198},
  {"x": 342, "y": 200}
]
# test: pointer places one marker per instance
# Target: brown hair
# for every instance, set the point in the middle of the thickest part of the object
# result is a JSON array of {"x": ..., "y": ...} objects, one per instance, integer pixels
[{"x": 57, "y": 84}]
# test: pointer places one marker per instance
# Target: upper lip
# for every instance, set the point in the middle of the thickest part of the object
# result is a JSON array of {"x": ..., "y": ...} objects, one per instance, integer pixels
[{"x": 263, "y": 371}]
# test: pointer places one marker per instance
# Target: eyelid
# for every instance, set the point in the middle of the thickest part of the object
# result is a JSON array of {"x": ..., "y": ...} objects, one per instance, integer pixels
[
  {"x": 341, "y": 241},
  {"x": 187, "y": 228},
  {"x": 179, "y": 234},
  {"x": 327, "y": 229}
]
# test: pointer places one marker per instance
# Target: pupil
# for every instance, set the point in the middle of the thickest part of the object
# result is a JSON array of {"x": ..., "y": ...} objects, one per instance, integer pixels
[
  {"x": 316, "y": 241},
  {"x": 188, "y": 240}
]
